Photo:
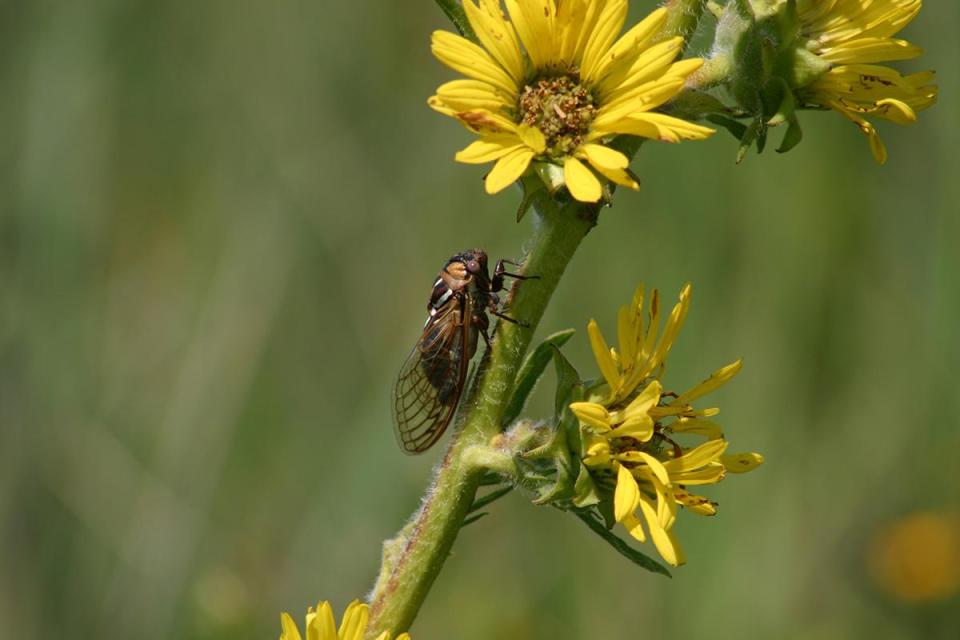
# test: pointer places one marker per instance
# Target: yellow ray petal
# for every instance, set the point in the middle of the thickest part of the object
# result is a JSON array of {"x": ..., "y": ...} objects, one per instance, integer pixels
[
  {"x": 602, "y": 37},
  {"x": 497, "y": 37},
  {"x": 591, "y": 414},
  {"x": 354, "y": 622},
  {"x": 581, "y": 182},
  {"x": 626, "y": 497},
  {"x": 508, "y": 170},
  {"x": 601, "y": 353},
  {"x": 696, "y": 457},
  {"x": 471, "y": 60},
  {"x": 322, "y": 625},
  {"x": 741, "y": 462},
  {"x": 288, "y": 628},
  {"x": 489, "y": 148},
  {"x": 716, "y": 380}
]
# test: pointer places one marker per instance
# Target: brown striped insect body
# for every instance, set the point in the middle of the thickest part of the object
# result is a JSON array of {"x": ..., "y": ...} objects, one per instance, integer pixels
[{"x": 433, "y": 376}]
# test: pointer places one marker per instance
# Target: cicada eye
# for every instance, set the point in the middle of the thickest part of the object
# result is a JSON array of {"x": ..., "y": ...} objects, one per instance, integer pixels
[{"x": 473, "y": 266}]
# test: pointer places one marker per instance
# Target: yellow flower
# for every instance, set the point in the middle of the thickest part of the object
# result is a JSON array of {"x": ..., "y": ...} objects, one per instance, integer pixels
[
  {"x": 320, "y": 624},
  {"x": 631, "y": 437},
  {"x": 552, "y": 84},
  {"x": 852, "y": 36}
]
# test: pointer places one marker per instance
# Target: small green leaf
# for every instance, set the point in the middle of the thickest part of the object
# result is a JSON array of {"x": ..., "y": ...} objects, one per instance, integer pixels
[
  {"x": 762, "y": 138},
  {"x": 748, "y": 138},
  {"x": 494, "y": 495},
  {"x": 568, "y": 380},
  {"x": 458, "y": 17},
  {"x": 792, "y": 137},
  {"x": 584, "y": 489},
  {"x": 535, "y": 195},
  {"x": 473, "y": 518},
  {"x": 638, "y": 558},
  {"x": 531, "y": 370},
  {"x": 737, "y": 129},
  {"x": 787, "y": 104}
]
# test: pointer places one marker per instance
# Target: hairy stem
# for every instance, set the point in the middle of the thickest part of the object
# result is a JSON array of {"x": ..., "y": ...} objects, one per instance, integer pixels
[
  {"x": 683, "y": 16},
  {"x": 412, "y": 560}
]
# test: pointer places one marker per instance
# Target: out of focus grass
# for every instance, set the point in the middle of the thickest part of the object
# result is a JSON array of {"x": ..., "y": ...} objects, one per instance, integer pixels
[{"x": 218, "y": 226}]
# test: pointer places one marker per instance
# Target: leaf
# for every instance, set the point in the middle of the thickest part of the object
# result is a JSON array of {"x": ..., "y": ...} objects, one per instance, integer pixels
[
  {"x": 458, "y": 17},
  {"x": 787, "y": 108},
  {"x": 584, "y": 489},
  {"x": 792, "y": 137},
  {"x": 531, "y": 370},
  {"x": 494, "y": 495},
  {"x": 737, "y": 129},
  {"x": 568, "y": 380},
  {"x": 620, "y": 546},
  {"x": 535, "y": 195},
  {"x": 473, "y": 518},
  {"x": 747, "y": 140}
]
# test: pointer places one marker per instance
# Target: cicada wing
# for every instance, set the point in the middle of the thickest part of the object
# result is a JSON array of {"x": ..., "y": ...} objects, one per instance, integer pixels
[{"x": 431, "y": 381}]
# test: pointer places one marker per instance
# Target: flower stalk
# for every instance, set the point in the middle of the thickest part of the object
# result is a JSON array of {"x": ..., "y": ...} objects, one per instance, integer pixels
[{"x": 413, "y": 559}]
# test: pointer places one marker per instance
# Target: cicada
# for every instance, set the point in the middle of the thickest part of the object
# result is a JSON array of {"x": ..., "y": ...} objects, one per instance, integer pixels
[{"x": 433, "y": 376}]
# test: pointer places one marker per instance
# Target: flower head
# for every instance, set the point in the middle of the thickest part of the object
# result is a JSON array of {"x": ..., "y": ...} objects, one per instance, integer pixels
[
  {"x": 320, "y": 624},
  {"x": 552, "y": 84},
  {"x": 853, "y": 36},
  {"x": 632, "y": 429}
]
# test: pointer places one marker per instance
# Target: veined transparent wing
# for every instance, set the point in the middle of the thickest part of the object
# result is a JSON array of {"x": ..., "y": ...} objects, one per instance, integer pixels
[{"x": 431, "y": 381}]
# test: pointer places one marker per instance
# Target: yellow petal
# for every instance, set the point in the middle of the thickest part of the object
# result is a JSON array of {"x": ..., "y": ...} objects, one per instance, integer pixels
[
  {"x": 601, "y": 352},
  {"x": 534, "y": 22},
  {"x": 508, "y": 169},
  {"x": 603, "y": 36},
  {"x": 470, "y": 95},
  {"x": 710, "y": 430},
  {"x": 489, "y": 148},
  {"x": 697, "y": 457},
  {"x": 497, "y": 37},
  {"x": 716, "y": 380},
  {"x": 639, "y": 427},
  {"x": 694, "y": 503},
  {"x": 741, "y": 462},
  {"x": 592, "y": 415},
  {"x": 710, "y": 474},
  {"x": 354, "y": 622},
  {"x": 646, "y": 400},
  {"x": 626, "y": 496},
  {"x": 633, "y": 526},
  {"x": 601, "y": 156},
  {"x": 655, "y": 466},
  {"x": 665, "y": 541},
  {"x": 288, "y": 628},
  {"x": 471, "y": 60},
  {"x": 581, "y": 182},
  {"x": 322, "y": 626},
  {"x": 532, "y": 137}
]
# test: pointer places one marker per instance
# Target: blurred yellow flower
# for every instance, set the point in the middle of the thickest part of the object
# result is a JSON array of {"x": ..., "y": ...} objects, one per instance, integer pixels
[
  {"x": 320, "y": 624},
  {"x": 630, "y": 435},
  {"x": 854, "y": 35},
  {"x": 917, "y": 558},
  {"x": 553, "y": 84}
]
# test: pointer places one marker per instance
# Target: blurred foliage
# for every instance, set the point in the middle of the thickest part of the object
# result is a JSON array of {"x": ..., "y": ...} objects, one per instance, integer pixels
[{"x": 219, "y": 222}]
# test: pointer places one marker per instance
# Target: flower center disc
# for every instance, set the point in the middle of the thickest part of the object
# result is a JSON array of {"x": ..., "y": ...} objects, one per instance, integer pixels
[{"x": 561, "y": 108}]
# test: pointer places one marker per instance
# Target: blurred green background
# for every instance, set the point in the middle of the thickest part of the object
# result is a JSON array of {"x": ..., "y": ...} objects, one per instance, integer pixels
[{"x": 219, "y": 226}]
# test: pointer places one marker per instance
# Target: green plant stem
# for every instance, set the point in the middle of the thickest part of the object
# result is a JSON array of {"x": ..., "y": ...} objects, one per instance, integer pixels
[
  {"x": 683, "y": 16},
  {"x": 413, "y": 559}
]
